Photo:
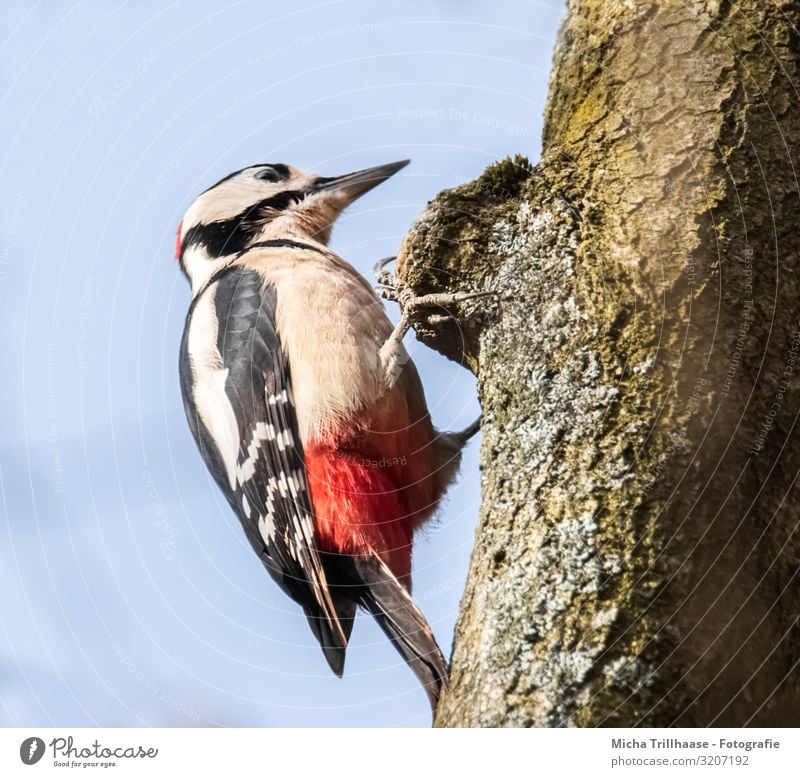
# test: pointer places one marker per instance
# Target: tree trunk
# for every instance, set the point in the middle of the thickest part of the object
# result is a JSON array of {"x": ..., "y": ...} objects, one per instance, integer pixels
[{"x": 637, "y": 556}]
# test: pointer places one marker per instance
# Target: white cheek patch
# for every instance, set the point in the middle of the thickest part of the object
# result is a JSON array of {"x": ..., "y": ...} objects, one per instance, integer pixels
[{"x": 232, "y": 198}]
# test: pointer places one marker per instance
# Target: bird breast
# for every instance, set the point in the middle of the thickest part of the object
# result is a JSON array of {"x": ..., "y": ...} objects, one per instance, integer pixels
[{"x": 332, "y": 326}]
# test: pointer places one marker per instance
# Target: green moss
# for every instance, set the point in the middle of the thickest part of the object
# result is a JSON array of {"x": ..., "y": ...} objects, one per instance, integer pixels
[{"x": 504, "y": 178}]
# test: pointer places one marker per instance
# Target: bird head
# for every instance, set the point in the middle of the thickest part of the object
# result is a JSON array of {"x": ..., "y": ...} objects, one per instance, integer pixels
[{"x": 263, "y": 202}]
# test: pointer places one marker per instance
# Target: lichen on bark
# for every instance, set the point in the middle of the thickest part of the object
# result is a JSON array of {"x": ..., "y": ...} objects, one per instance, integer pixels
[{"x": 636, "y": 560}]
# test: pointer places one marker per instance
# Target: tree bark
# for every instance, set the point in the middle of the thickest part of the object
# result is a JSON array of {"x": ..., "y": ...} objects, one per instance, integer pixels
[{"x": 637, "y": 556}]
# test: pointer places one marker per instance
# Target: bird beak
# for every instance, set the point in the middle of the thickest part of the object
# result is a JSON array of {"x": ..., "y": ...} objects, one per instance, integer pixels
[{"x": 353, "y": 185}]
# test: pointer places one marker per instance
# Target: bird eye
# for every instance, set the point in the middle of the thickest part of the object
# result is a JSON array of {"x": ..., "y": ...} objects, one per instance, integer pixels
[
  {"x": 273, "y": 173},
  {"x": 268, "y": 174}
]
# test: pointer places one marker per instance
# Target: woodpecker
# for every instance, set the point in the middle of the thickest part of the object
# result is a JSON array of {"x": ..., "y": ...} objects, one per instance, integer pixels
[{"x": 306, "y": 408}]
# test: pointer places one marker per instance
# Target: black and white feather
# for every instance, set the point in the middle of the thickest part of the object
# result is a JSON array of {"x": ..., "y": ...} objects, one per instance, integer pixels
[{"x": 237, "y": 393}]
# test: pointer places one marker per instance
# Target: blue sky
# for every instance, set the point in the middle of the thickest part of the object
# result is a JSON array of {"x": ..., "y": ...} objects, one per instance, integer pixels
[{"x": 130, "y": 596}]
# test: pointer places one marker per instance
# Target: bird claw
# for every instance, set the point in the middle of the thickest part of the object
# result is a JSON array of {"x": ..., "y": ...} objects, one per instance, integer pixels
[
  {"x": 390, "y": 295},
  {"x": 394, "y": 289},
  {"x": 393, "y": 355},
  {"x": 388, "y": 282},
  {"x": 413, "y": 304}
]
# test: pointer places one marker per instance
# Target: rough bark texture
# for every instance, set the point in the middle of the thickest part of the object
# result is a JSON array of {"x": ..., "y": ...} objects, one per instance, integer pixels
[{"x": 637, "y": 556}]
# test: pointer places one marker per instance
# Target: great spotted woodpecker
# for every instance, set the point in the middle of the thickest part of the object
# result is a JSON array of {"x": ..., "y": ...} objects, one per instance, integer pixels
[{"x": 306, "y": 408}]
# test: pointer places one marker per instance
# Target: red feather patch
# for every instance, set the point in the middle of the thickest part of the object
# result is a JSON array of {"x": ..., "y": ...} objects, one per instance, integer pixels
[
  {"x": 178, "y": 243},
  {"x": 372, "y": 490},
  {"x": 359, "y": 507}
]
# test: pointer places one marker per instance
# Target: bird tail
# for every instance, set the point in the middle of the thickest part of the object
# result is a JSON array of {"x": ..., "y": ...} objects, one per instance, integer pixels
[
  {"x": 467, "y": 434},
  {"x": 330, "y": 640},
  {"x": 382, "y": 594}
]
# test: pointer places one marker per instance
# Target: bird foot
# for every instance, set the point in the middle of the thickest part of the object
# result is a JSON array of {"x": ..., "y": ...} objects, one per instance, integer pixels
[
  {"x": 387, "y": 280},
  {"x": 393, "y": 354},
  {"x": 394, "y": 289}
]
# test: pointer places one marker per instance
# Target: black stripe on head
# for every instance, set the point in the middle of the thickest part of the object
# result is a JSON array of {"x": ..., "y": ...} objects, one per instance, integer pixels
[
  {"x": 280, "y": 201},
  {"x": 233, "y": 235},
  {"x": 221, "y": 238}
]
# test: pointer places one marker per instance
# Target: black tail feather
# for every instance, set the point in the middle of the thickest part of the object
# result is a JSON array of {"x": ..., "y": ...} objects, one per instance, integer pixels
[
  {"x": 390, "y": 604},
  {"x": 332, "y": 647},
  {"x": 468, "y": 433}
]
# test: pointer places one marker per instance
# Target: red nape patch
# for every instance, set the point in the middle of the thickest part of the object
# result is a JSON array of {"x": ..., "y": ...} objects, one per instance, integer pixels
[
  {"x": 178, "y": 242},
  {"x": 359, "y": 507}
]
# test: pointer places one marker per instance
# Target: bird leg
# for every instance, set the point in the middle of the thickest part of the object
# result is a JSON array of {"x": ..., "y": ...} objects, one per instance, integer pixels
[{"x": 393, "y": 355}]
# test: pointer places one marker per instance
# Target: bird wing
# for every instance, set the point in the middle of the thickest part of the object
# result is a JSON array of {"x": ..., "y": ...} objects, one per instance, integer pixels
[{"x": 238, "y": 398}]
